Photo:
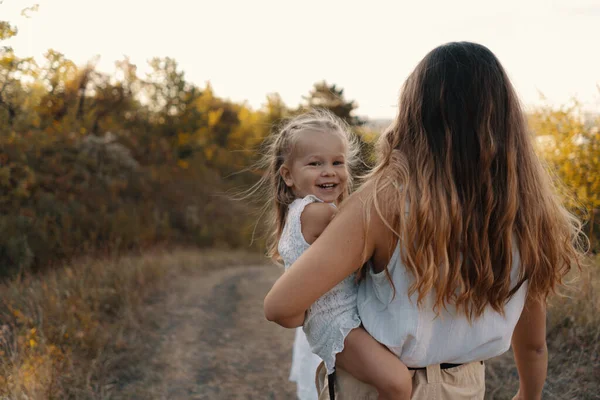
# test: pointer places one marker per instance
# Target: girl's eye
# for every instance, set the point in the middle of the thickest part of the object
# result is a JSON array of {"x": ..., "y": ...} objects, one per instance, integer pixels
[
  {"x": 314, "y": 163},
  {"x": 338, "y": 163}
]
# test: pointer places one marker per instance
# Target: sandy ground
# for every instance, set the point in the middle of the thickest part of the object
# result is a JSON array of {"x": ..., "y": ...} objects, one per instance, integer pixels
[{"x": 207, "y": 339}]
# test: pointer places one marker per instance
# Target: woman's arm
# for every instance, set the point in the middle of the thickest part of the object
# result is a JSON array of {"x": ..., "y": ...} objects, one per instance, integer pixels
[
  {"x": 293, "y": 322},
  {"x": 314, "y": 219},
  {"x": 531, "y": 353},
  {"x": 336, "y": 254}
]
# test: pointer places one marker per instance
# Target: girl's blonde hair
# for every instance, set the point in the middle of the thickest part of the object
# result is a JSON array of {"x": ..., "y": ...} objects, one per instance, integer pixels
[
  {"x": 279, "y": 149},
  {"x": 459, "y": 184}
]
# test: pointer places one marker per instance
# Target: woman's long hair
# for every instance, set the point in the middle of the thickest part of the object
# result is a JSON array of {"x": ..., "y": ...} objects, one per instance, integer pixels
[{"x": 458, "y": 182}]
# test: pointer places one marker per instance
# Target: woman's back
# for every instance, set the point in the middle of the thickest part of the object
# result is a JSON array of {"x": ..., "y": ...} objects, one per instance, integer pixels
[
  {"x": 417, "y": 335},
  {"x": 484, "y": 236}
]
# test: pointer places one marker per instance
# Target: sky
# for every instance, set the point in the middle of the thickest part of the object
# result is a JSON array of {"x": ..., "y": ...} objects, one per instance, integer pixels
[{"x": 247, "y": 49}]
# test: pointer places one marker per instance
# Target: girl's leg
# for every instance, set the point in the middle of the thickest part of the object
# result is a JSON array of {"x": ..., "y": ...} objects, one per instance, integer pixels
[{"x": 371, "y": 362}]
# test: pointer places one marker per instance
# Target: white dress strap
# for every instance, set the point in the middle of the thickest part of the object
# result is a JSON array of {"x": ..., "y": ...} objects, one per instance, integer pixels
[{"x": 292, "y": 242}]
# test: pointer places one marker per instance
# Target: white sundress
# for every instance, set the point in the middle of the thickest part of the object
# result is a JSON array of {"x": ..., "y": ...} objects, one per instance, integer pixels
[{"x": 329, "y": 319}]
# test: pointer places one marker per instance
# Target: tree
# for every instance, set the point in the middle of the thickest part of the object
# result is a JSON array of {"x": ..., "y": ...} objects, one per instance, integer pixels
[
  {"x": 571, "y": 145},
  {"x": 13, "y": 70},
  {"x": 169, "y": 92},
  {"x": 61, "y": 79},
  {"x": 7, "y": 30},
  {"x": 275, "y": 109},
  {"x": 332, "y": 98}
]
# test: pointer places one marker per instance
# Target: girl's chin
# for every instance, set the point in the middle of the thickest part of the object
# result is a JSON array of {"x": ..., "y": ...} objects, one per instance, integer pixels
[{"x": 327, "y": 196}]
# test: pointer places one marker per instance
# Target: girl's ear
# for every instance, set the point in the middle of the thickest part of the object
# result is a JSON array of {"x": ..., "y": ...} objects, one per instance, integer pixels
[{"x": 285, "y": 173}]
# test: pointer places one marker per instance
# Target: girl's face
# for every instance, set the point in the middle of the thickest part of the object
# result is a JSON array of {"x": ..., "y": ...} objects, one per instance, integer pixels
[{"x": 317, "y": 167}]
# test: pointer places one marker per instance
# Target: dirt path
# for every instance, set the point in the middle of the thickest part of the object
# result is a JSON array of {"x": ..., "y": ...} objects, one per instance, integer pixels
[{"x": 209, "y": 340}]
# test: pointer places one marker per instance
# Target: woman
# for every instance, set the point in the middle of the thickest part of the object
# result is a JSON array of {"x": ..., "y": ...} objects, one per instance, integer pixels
[{"x": 457, "y": 232}]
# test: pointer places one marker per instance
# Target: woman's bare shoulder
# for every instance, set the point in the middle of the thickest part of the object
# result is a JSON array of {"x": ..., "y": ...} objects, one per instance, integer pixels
[{"x": 378, "y": 221}]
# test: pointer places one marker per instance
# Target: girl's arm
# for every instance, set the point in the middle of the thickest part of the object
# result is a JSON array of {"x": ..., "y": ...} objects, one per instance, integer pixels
[
  {"x": 314, "y": 219},
  {"x": 530, "y": 351},
  {"x": 336, "y": 255}
]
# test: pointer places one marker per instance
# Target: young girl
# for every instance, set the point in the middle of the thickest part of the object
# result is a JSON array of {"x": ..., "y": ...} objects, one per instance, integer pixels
[
  {"x": 464, "y": 231},
  {"x": 309, "y": 175}
]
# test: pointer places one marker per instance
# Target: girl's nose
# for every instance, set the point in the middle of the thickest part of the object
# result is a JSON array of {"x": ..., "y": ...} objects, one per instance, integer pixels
[{"x": 328, "y": 171}]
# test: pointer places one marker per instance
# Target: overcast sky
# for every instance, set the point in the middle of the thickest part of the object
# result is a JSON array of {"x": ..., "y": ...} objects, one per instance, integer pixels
[{"x": 247, "y": 49}]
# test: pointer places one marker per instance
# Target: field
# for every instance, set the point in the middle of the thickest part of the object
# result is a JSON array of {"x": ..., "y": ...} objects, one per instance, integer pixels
[{"x": 187, "y": 324}]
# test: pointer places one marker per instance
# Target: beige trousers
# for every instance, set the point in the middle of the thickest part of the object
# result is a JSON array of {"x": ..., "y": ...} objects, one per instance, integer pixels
[{"x": 459, "y": 383}]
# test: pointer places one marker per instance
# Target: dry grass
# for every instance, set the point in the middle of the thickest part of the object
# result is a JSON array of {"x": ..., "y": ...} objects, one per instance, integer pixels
[
  {"x": 75, "y": 332},
  {"x": 573, "y": 345},
  {"x": 71, "y": 332}
]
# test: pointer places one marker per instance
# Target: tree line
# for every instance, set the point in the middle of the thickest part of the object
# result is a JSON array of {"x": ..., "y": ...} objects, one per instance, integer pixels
[{"x": 103, "y": 162}]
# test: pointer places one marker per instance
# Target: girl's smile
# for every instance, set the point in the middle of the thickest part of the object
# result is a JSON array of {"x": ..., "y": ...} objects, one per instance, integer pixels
[{"x": 318, "y": 167}]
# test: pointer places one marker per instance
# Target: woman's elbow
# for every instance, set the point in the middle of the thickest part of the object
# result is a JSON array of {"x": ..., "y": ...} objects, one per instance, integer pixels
[
  {"x": 272, "y": 312},
  {"x": 534, "y": 348},
  {"x": 276, "y": 314},
  {"x": 539, "y": 349}
]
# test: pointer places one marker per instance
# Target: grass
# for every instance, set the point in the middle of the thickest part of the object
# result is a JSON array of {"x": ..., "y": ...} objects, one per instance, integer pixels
[
  {"x": 70, "y": 333},
  {"x": 573, "y": 336},
  {"x": 74, "y": 332}
]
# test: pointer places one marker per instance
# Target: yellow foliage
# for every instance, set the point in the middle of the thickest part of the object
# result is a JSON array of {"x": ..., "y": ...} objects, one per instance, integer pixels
[
  {"x": 209, "y": 151},
  {"x": 571, "y": 146},
  {"x": 183, "y": 139},
  {"x": 214, "y": 117},
  {"x": 183, "y": 164}
]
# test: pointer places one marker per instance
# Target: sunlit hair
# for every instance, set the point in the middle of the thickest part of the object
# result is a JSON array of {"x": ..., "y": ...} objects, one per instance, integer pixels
[
  {"x": 458, "y": 181},
  {"x": 279, "y": 149}
]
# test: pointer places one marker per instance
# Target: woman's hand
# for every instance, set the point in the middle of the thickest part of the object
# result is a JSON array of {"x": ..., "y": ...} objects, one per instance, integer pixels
[{"x": 518, "y": 396}]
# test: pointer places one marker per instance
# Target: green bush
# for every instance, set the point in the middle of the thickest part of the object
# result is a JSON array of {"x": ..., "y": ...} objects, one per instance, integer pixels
[{"x": 68, "y": 196}]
